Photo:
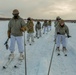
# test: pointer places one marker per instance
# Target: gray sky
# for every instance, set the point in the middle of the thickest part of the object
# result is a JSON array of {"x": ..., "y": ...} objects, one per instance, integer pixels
[{"x": 43, "y": 9}]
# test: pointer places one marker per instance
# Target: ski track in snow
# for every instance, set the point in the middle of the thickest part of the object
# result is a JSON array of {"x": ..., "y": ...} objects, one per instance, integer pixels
[{"x": 39, "y": 53}]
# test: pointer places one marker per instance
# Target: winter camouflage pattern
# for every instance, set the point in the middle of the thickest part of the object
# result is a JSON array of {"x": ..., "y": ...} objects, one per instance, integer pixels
[
  {"x": 38, "y": 26},
  {"x": 45, "y": 24},
  {"x": 15, "y": 25},
  {"x": 49, "y": 23},
  {"x": 30, "y": 27},
  {"x": 62, "y": 30}
]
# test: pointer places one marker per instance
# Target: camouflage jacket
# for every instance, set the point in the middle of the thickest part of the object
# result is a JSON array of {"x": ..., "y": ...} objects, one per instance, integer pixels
[
  {"x": 49, "y": 23},
  {"x": 62, "y": 30},
  {"x": 38, "y": 26},
  {"x": 30, "y": 27},
  {"x": 14, "y": 26}
]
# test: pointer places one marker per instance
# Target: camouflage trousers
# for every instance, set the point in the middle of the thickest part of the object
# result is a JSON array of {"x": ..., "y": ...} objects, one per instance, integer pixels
[
  {"x": 38, "y": 33},
  {"x": 61, "y": 39}
]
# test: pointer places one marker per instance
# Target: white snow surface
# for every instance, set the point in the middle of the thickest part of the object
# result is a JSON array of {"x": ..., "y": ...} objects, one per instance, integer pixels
[{"x": 38, "y": 55}]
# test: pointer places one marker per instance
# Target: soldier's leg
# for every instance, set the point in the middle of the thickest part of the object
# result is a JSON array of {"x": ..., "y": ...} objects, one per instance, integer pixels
[
  {"x": 12, "y": 44},
  {"x": 20, "y": 44},
  {"x": 39, "y": 32},
  {"x": 64, "y": 43},
  {"x": 49, "y": 27},
  {"x": 58, "y": 38},
  {"x": 32, "y": 37},
  {"x": 12, "y": 47},
  {"x": 28, "y": 37},
  {"x": 44, "y": 30}
]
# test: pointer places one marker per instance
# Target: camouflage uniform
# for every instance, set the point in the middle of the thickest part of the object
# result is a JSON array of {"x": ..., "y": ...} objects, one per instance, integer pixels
[
  {"x": 56, "y": 23},
  {"x": 49, "y": 25},
  {"x": 45, "y": 26},
  {"x": 30, "y": 31},
  {"x": 15, "y": 28},
  {"x": 38, "y": 29},
  {"x": 61, "y": 38}
]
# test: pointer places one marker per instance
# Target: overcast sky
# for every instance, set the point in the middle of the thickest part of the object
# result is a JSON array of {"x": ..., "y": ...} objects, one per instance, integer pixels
[{"x": 43, "y": 9}]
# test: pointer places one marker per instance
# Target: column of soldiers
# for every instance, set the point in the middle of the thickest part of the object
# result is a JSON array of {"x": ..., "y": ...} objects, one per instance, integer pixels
[
  {"x": 61, "y": 32},
  {"x": 17, "y": 26}
]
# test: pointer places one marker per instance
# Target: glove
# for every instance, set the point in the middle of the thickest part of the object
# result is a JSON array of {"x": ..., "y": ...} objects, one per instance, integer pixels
[
  {"x": 68, "y": 36},
  {"x": 58, "y": 32},
  {"x": 23, "y": 29}
]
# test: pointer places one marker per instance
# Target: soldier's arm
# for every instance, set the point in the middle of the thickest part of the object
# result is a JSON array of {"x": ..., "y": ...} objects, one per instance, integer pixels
[
  {"x": 9, "y": 29},
  {"x": 67, "y": 30},
  {"x": 23, "y": 25}
]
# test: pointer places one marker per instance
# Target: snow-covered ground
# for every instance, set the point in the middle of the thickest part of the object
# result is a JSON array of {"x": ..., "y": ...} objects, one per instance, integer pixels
[{"x": 39, "y": 55}]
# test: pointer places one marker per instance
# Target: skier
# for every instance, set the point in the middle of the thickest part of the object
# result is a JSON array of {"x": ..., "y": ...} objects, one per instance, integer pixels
[
  {"x": 45, "y": 26},
  {"x": 56, "y": 23},
  {"x": 49, "y": 25},
  {"x": 61, "y": 30},
  {"x": 38, "y": 29},
  {"x": 30, "y": 31},
  {"x": 15, "y": 28}
]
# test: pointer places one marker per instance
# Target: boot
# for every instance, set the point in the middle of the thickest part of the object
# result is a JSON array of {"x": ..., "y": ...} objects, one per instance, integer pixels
[
  {"x": 37, "y": 37},
  {"x": 27, "y": 40},
  {"x": 21, "y": 57},
  {"x": 58, "y": 51},
  {"x": 64, "y": 51},
  {"x": 11, "y": 56}
]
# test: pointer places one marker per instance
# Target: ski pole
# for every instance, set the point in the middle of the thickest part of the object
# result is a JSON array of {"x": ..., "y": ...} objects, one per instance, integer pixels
[
  {"x": 51, "y": 60},
  {"x": 25, "y": 55},
  {"x": 6, "y": 43}
]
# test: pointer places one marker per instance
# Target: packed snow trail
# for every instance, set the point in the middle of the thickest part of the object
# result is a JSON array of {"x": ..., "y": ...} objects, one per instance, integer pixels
[{"x": 39, "y": 54}]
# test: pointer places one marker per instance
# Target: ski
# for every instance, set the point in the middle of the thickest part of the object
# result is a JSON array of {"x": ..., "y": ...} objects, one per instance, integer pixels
[
  {"x": 58, "y": 54},
  {"x": 18, "y": 64},
  {"x": 65, "y": 55},
  {"x": 31, "y": 43},
  {"x": 7, "y": 63}
]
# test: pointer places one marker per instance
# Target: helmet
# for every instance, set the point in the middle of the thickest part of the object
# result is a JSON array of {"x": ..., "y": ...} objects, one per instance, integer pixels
[
  {"x": 15, "y": 11},
  {"x": 58, "y": 18},
  {"x": 28, "y": 18}
]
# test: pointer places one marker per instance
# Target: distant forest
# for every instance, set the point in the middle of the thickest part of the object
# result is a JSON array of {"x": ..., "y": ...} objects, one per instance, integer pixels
[{"x": 73, "y": 21}]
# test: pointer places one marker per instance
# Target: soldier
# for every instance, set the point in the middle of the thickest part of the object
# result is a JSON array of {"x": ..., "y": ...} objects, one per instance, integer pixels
[
  {"x": 30, "y": 31},
  {"x": 56, "y": 24},
  {"x": 61, "y": 30},
  {"x": 38, "y": 29},
  {"x": 49, "y": 25},
  {"x": 15, "y": 28},
  {"x": 57, "y": 21},
  {"x": 45, "y": 26}
]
